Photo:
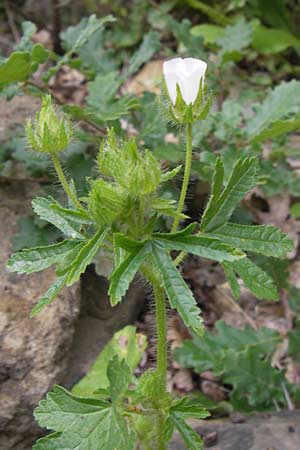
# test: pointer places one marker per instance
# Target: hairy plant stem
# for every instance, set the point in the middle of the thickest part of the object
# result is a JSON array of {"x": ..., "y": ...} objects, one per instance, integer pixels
[
  {"x": 186, "y": 177},
  {"x": 63, "y": 181},
  {"x": 162, "y": 347}
]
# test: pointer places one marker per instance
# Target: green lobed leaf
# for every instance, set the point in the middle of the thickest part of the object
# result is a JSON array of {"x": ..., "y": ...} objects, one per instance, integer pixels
[
  {"x": 149, "y": 46},
  {"x": 235, "y": 39},
  {"x": 280, "y": 104},
  {"x": 128, "y": 345},
  {"x": 255, "y": 279},
  {"x": 123, "y": 275},
  {"x": 187, "y": 407},
  {"x": 209, "y": 351},
  {"x": 86, "y": 255},
  {"x": 50, "y": 210},
  {"x": 81, "y": 423},
  {"x": 222, "y": 204},
  {"x": 179, "y": 295},
  {"x": 39, "y": 258},
  {"x": 255, "y": 381},
  {"x": 49, "y": 296},
  {"x": 267, "y": 240}
]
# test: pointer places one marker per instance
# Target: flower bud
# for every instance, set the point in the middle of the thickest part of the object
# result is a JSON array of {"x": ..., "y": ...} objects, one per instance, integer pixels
[
  {"x": 51, "y": 131},
  {"x": 188, "y": 96}
]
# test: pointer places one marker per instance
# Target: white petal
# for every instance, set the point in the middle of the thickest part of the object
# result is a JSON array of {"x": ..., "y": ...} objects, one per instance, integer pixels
[{"x": 187, "y": 73}]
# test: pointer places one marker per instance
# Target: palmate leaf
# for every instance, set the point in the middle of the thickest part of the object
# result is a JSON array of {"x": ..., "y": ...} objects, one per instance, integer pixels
[
  {"x": 255, "y": 279},
  {"x": 39, "y": 258},
  {"x": 267, "y": 240},
  {"x": 222, "y": 203},
  {"x": 255, "y": 381},
  {"x": 86, "y": 255},
  {"x": 205, "y": 247},
  {"x": 50, "y": 210},
  {"x": 84, "y": 423},
  {"x": 276, "y": 113},
  {"x": 209, "y": 351},
  {"x": 179, "y": 295},
  {"x": 149, "y": 46}
]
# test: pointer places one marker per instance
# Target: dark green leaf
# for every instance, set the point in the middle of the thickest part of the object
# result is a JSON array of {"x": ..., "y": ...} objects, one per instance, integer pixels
[
  {"x": 232, "y": 280},
  {"x": 255, "y": 380},
  {"x": 86, "y": 255},
  {"x": 123, "y": 275},
  {"x": 49, "y": 296},
  {"x": 255, "y": 279},
  {"x": 222, "y": 204},
  {"x": 267, "y": 240},
  {"x": 191, "y": 438},
  {"x": 39, "y": 258},
  {"x": 179, "y": 295},
  {"x": 49, "y": 209}
]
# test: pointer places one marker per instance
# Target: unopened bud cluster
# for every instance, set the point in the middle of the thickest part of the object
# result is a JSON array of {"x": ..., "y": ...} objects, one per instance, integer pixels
[{"x": 50, "y": 131}]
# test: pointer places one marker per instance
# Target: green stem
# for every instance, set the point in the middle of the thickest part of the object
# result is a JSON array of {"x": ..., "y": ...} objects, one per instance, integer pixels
[
  {"x": 161, "y": 325},
  {"x": 162, "y": 346},
  {"x": 63, "y": 181},
  {"x": 186, "y": 178}
]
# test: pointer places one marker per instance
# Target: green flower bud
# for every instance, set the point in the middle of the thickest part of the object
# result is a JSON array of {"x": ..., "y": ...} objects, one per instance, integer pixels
[
  {"x": 51, "y": 131},
  {"x": 137, "y": 173},
  {"x": 106, "y": 202}
]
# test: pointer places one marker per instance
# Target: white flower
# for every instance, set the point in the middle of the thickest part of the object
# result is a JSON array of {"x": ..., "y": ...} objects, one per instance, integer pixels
[{"x": 187, "y": 73}]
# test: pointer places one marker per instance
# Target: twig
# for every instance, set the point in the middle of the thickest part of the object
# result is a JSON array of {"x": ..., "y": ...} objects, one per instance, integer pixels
[
  {"x": 11, "y": 22},
  {"x": 287, "y": 397},
  {"x": 238, "y": 308}
]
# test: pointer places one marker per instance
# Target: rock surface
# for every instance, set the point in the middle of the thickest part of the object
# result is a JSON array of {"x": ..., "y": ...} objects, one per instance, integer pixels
[
  {"x": 263, "y": 432},
  {"x": 33, "y": 352}
]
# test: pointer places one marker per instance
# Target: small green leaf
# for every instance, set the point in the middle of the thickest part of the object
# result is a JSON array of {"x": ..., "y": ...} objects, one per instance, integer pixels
[
  {"x": 123, "y": 275},
  {"x": 16, "y": 68},
  {"x": 191, "y": 438},
  {"x": 221, "y": 205},
  {"x": 39, "y": 258},
  {"x": 86, "y": 255},
  {"x": 50, "y": 210},
  {"x": 179, "y": 295},
  {"x": 119, "y": 376},
  {"x": 39, "y": 53},
  {"x": 255, "y": 279},
  {"x": 190, "y": 408},
  {"x": 49, "y": 296},
  {"x": 267, "y": 240}
]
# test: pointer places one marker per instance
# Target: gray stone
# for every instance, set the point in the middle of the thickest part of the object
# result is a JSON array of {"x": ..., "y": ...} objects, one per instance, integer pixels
[
  {"x": 33, "y": 352},
  {"x": 261, "y": 432}
]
